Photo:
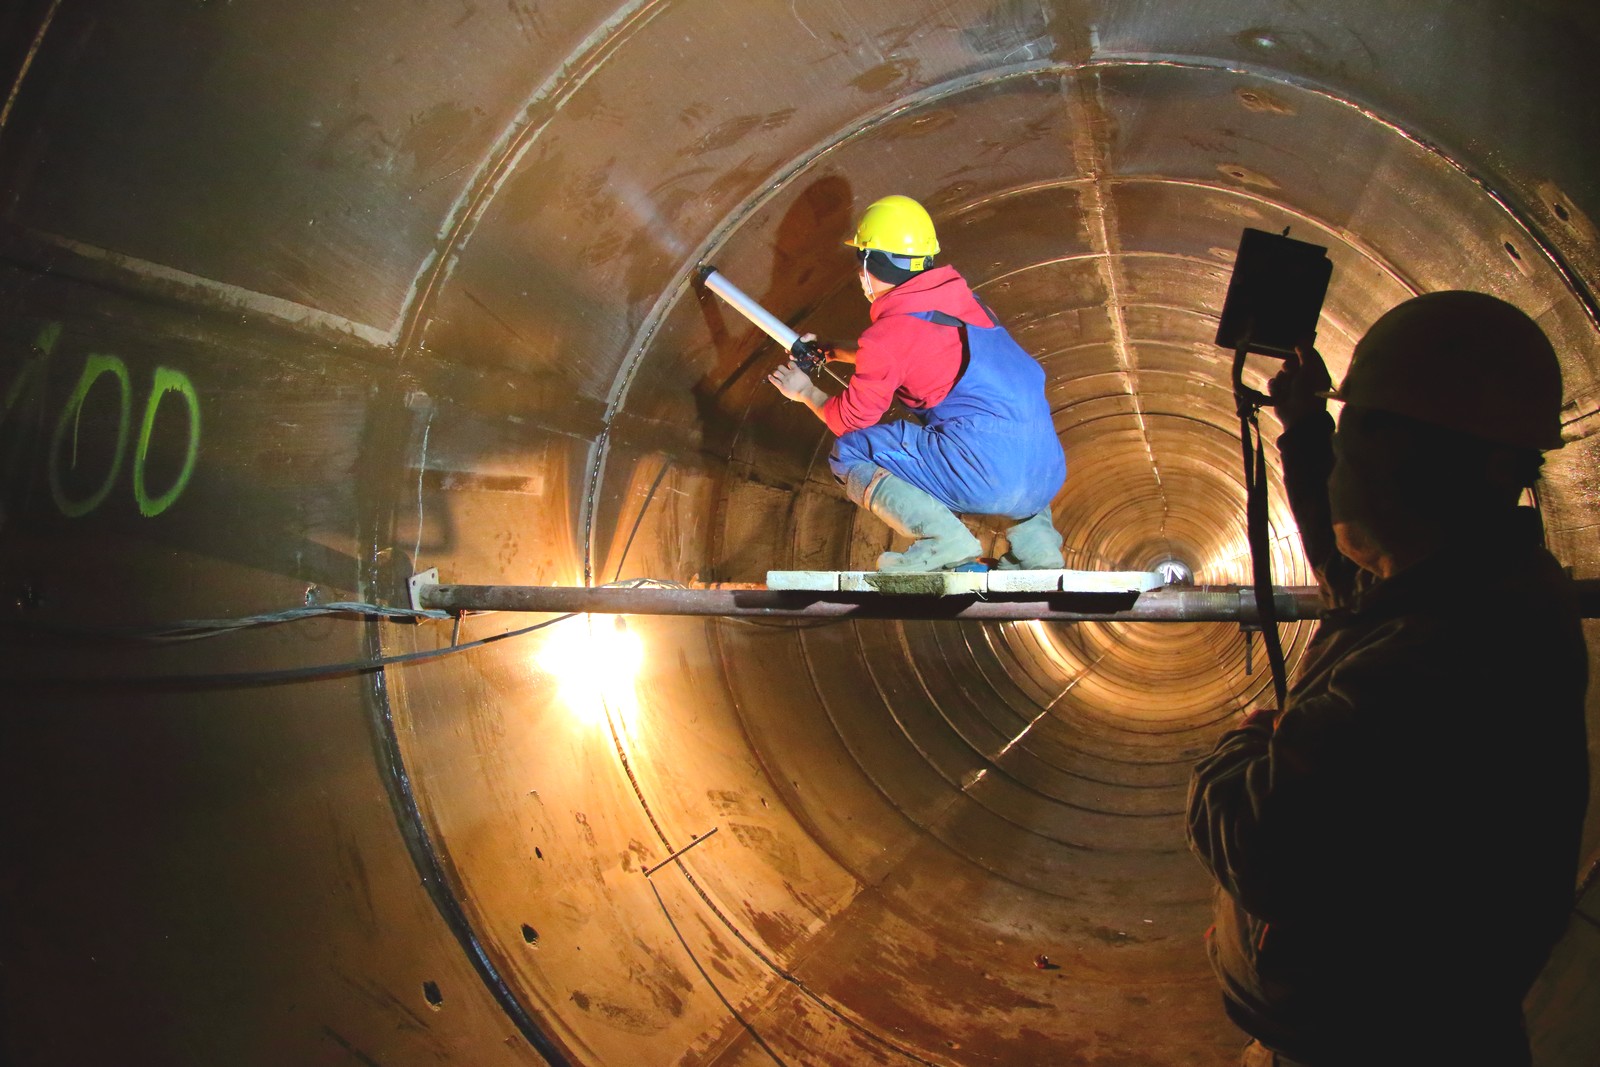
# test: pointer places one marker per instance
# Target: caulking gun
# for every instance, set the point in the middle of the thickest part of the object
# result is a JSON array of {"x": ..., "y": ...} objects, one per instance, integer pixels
[{"x": 808, "y": 355}]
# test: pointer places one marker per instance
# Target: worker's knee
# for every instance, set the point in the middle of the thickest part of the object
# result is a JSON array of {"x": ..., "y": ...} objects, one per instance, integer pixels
[{"x": 846, "y": 454}]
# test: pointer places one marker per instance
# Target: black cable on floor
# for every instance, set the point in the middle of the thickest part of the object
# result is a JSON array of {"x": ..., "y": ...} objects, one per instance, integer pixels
[{"x": 751, "y": 1030}]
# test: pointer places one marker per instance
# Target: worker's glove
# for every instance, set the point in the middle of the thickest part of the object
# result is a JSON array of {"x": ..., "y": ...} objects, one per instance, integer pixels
[
  {"x": 809, "y": 353},
  {"x": 791, "y": 381},
  {"x": 1301, "y": 388}
]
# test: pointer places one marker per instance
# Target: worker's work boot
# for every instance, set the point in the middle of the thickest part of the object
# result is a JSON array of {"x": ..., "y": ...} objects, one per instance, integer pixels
[
  {"x": 1034, "y": 545},
  {"x": 943, "y": 541}
]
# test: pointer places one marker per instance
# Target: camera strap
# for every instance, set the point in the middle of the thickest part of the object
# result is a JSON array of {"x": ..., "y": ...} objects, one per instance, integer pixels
[{"x": 1257, "y": 525}]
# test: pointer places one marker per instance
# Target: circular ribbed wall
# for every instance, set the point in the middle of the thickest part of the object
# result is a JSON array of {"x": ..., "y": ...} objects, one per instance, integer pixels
[{"x": 428, "y": 275}]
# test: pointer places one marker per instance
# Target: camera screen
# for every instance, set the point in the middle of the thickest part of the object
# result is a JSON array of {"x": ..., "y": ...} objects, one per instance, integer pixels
[{"x": 1275, "y": 295}]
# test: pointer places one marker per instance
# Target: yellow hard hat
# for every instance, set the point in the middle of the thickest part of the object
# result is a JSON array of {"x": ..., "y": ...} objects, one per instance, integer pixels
[{"x": 897, "y": 225}]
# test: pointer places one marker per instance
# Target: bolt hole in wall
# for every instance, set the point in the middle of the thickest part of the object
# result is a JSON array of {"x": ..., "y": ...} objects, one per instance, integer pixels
[
  {"x": 1561, "y": 212},
  {"x": 1511, "y": 250},
  {"x": 529, "y": 934},
  {"x": 430, "y": 993}
]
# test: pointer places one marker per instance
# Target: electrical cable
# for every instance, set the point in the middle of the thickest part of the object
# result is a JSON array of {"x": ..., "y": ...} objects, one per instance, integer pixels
[
  {"x": 1248, "y": 402},
  {"x": 755, "y": 1035},
  {"x": 772, "y": 965},
  {"x": 199, "y": 629},
  {"x": 195, "y": 629},
  {"x": 277, "y": 677},
  {"x": 638, "y": 519},
  {"x": 658, "y": 583},
  {"x": 627, "y": 766}
]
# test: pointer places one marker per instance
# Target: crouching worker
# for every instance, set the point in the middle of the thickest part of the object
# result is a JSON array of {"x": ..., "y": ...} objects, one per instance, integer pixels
[{"x": 985, "y": 443}]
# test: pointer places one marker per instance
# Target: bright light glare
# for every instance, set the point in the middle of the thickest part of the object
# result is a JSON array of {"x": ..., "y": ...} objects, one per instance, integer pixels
[{"x": 595, "y": 663}]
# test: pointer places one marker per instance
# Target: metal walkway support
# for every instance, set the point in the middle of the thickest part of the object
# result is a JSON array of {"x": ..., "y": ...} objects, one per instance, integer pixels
[{"x": 1214, "y": 604}]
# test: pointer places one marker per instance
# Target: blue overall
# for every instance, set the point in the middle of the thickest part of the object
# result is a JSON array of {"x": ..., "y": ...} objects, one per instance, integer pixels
[{"x": 988, "y": 448}]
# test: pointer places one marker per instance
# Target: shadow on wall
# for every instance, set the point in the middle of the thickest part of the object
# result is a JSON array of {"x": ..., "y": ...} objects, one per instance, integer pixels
[{"x": 807, "y": 264}]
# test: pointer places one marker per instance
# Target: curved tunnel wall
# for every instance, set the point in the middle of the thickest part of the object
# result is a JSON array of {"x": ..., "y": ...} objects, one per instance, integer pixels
[{"x": 299, "y": 302}]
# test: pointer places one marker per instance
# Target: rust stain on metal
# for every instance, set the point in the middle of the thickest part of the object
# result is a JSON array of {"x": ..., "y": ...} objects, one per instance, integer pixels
[
  {"x": 776, "y": 930},
  {"x": 885, "y": 75},
  {"x": 728, "y": 133}
]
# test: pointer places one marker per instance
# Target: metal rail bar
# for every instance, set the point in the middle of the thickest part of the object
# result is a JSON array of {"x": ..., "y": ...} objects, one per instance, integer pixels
[
  {"x": 680, "y": 851},
  {"x": 1217, "y": 603},
  {"x": 1213, "y": 604}
]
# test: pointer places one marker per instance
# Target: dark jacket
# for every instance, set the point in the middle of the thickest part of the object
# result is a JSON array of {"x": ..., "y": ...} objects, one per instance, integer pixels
[{"x": 1397, "y": 858}]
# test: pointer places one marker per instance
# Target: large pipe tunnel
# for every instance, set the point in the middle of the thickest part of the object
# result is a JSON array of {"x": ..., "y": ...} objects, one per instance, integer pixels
[{"x": 302, "y": 299}]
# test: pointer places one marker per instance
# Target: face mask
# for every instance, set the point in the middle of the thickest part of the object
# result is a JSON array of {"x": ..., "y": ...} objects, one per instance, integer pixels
[
  {"x": 866, "y": 286},
  {"x": 1363, "y": 484},
  {"x": 1391, "y": 480},
  {"x": 1366, "y": 497}
]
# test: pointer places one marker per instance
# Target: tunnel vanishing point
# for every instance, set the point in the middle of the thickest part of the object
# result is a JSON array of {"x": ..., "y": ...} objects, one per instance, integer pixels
[{"x": 301, "y": 298}]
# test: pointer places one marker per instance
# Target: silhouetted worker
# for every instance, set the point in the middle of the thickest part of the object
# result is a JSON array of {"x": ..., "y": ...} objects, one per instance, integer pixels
[
  {"x": 1397, "y": 851},
  {"x": 987, "y": 443}
]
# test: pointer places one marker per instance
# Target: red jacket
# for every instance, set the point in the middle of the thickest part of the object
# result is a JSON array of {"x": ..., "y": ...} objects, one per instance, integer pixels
[{"x": 903, "y": 357}]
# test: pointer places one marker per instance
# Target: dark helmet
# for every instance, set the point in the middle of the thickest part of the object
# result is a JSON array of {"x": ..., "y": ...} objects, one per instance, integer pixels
[{"x": 1465, "y": 361}]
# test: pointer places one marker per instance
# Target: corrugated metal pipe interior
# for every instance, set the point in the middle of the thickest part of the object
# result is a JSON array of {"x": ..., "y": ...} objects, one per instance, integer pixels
[{"x": 303, "y": 298}]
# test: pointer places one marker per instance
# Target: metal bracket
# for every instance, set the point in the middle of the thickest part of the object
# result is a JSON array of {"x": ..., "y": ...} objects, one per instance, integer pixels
[
  {"x": 1249, "y": 629},
  {"x": 420, "y": 581}
]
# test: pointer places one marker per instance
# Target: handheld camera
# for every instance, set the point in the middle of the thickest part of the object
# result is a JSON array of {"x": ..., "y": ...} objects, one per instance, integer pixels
[
  {"x": 1273, "y": 303},
  {"x": 1275, "y": 295}
]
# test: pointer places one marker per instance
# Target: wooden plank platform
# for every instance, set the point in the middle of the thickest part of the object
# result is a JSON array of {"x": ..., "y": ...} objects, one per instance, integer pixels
[{"x": 964, "y": 583}]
